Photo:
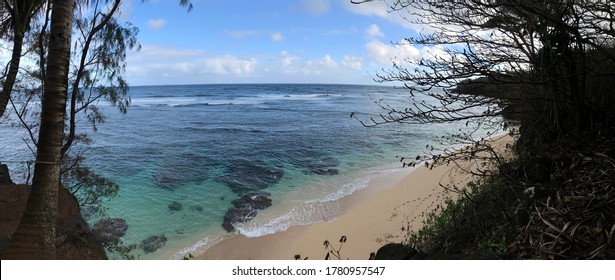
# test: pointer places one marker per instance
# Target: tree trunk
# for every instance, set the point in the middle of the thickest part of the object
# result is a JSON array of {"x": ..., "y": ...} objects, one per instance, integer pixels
[
  {"x": 35, "y": 236},
  {"x": 7, "y": 86}
]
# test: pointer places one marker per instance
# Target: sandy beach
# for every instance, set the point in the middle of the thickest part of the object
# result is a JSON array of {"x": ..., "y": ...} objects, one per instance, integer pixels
[{"x": 379, "y": 214}]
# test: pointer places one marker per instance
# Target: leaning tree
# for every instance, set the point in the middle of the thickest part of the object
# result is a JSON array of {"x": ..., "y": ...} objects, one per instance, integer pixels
[{"x": 547, "y": 63}]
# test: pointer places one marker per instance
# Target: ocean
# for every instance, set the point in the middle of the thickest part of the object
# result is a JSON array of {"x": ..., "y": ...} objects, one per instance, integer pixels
[{"x": 184, "y": 155}]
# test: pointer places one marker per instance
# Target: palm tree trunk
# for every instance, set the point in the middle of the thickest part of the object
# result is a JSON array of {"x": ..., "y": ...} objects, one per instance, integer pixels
[{"x": 35, "y": 236}]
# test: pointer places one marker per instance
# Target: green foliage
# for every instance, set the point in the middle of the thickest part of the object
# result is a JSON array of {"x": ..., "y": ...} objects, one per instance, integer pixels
[
  {"x": 549, "y": 65},
  {"x": 90, "y": 188},
  {"x": 471, "y": 224}
]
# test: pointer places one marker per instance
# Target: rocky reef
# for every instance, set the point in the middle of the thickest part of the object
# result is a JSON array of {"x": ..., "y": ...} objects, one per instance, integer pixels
[
  {"x": 153, "y": 243},
  {"x": 245, "y": 209},
  {"x": 110, "y": 229},
  {"x": 248, "y": 179}
]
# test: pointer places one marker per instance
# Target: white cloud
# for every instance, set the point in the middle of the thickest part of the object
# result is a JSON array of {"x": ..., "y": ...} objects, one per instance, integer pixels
[
  {"x": 153, "y": 61},
  {"x": 436, "y": 52},
  {"x": 287, "y": 61},
  {"x": 151, "y": 51},
  {"x": 125, "y": 11},
  {"x": 387, "y": 54},
  {"x": 163, "y": 65},
  {"x": 373, "y": 8},
  {"x": 294, "y": 64},
  {"x": 374, "y": 31},
  {"x": 403, "y": 17},
  {"x": 183, "y": 67},
  {"x": 403, "y": 54},
  {"x": 316, "y": 7},
  {"x": 228, "y": 64},
  {"x": 156, "y": 24},
  {"x": 323, "y": 63},
  {"x": 352, "y": 62},
  {"x": 277, "y": 37}
]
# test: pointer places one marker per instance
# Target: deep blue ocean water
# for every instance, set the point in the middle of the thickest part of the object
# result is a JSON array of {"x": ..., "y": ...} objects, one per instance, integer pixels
[{"x": 203, "y": 146}]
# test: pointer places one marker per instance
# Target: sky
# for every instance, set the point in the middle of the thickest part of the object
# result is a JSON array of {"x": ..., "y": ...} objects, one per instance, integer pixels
[{"x": 266, "y": 41}]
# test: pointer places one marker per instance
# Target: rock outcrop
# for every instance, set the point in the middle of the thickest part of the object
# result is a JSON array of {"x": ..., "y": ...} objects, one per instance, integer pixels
[
  {"x": 257, "y": 200},
  {"x": 153, "y": 243},
  {"x": 5, "y": 177},
  {"x": 325, "y": 171},
  {"x": 245, "y": 209},
  {"x": 248, "y": 179},
  {"x": 235, "y": 216},
  {"x": 395, "y": 251},
  {"x": 175, "y": 206},
  {"x": 244, "y": 176},
  {"x": 74, "y": 239}
]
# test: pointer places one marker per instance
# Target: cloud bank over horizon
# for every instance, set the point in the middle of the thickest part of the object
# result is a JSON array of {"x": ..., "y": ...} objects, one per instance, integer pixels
[{"x": 277, "y": 41}]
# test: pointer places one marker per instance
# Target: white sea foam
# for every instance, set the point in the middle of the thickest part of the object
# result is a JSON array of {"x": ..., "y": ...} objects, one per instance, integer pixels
[
  {"x": 242, "y": 100},
  {"x": 199, "y": 247},
  {"x": 297, "y": 97},
  {"x": 324, "y": 209}
]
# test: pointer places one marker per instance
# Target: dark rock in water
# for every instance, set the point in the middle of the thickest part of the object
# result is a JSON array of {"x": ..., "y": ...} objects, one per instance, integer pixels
[
  {"x": 245, "y": 209},
  {"x": 316, "y": 163},
  {"x": 197, "y": 208},
  {"x": 167, "y": 180},
  {"x": 395, "y": 251},
  {"x": 244, "y": 176},
  {"x": 153, "y": 243},
  {"x": 185, "y": 168},
  {"x": 257, "y": 201},
  {"x": 5, "y": 176},
  {"x": 175, "y": 206},
  {"x": 248, "y": 178},
  {"x": 234, "y": 216},
  {"x": 325, "y": 171},
  {"x": 110, "y": 229}
]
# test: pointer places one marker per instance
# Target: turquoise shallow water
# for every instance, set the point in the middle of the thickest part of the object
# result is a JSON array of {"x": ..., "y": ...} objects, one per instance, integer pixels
[{"x": 203, "y": 146}]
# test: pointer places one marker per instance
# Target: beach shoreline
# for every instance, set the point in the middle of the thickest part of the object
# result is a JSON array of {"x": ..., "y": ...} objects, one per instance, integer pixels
[{"x": 381, "y": 213}]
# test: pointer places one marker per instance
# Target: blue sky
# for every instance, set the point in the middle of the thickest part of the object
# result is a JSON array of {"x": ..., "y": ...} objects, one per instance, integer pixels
[
  {"x": 264, "y": 41},
  {"x": 267, "y": 41}
]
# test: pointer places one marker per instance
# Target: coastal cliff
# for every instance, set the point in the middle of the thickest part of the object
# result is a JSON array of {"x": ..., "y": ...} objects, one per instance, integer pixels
[{"x": 74, "y": 239}]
